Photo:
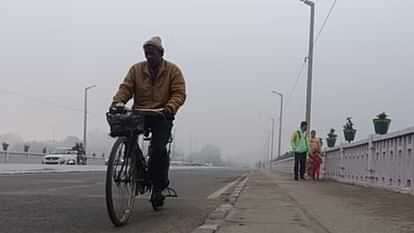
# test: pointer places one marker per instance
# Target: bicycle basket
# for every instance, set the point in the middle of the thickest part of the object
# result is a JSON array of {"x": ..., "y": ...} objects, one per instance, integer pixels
[{"x": 124, "y": 124}]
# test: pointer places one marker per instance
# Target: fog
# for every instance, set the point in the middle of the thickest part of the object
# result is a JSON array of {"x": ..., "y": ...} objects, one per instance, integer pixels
[{"x": 232, "y": 54}]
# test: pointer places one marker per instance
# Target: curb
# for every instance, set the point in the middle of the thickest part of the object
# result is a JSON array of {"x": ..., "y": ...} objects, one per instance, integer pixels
[{"x": 216, "y": 218}]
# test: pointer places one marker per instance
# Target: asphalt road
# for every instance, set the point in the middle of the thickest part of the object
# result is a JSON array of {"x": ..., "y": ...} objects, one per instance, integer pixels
[{"x": 75, "y": 202}]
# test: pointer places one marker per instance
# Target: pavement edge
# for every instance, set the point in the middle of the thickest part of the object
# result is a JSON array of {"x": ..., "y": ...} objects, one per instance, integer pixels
[{"x": 216, "y": 218}]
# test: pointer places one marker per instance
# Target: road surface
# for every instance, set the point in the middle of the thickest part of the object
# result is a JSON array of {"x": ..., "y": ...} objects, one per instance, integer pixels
[{"x": 75, "y": 202}]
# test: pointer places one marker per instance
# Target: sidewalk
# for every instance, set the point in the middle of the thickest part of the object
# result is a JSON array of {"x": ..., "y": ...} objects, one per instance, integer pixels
[{"x": 274, "y": 202}]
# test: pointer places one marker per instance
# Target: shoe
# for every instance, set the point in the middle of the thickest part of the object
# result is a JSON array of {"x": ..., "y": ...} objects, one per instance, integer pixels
[
  {"x": 302, "y": 178},
  {"x": 296, "y": 178},
  {"x": 157, "y": 199},
  {"x": 165, "y": 185}
]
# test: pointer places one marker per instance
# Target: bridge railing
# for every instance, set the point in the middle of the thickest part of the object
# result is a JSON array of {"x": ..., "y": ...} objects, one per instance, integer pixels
[
  {"x": 29, "y": 157},
  {"x": 380, "y": 161}
]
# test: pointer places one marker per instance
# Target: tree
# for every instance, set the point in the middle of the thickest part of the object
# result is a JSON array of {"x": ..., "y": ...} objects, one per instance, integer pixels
[
  {"x": 177, "y": 155},
  {"x": 208, "y": 154}
]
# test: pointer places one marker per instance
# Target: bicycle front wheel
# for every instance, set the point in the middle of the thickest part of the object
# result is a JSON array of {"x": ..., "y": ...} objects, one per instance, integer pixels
[{"x": 120, "y": 182}]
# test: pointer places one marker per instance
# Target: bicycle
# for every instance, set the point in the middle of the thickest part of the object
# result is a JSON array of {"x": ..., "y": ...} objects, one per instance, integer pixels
[{"x": 127, "y": 168}]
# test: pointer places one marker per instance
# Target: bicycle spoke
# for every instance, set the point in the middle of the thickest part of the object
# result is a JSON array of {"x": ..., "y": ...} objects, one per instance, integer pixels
[{"x": 122, "y": 188}]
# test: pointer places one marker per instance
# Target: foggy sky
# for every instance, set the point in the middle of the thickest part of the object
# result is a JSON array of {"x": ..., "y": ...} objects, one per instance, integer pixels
[{"x": 232, "y": 53}]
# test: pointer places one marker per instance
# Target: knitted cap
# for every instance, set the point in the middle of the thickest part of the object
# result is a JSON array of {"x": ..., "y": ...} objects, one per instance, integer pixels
[{"x": 154, "y": 41}]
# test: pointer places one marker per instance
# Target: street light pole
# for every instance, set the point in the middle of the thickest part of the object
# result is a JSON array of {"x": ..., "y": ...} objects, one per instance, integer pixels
[
  {"x": 280, "y": 122},
  {"x": 85, "y": 115},
  {"x": 272, "y": 142},
  {"x": 310, "y": 63}
]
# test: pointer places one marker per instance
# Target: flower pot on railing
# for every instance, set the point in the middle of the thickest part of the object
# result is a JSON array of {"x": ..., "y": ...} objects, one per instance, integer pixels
[
  {"x": 349, "y": 131},
  {"x": 382, "y": 123},
  {"x": 26, "y": 148},
  {"x": 331, "y": 139},
  {"x": 5, "y": 146},
  {"x": 331, "y": 142},
  {"x": 349, "y": 134}
]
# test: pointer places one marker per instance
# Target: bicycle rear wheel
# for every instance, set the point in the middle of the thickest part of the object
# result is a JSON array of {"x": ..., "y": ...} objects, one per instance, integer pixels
[{"x": 120, "y": 182}]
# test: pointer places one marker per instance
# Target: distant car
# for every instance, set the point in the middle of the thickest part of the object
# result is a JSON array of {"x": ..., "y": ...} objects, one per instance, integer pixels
[{"x": 61, "y": 155}]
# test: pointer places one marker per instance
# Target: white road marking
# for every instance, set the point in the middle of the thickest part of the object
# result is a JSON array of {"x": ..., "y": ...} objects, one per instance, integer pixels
[{"x": 223, "y": 190}]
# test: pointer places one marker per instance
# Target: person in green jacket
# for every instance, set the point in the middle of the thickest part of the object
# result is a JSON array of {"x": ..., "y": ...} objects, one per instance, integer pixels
[{"x": 300, "y": 147}]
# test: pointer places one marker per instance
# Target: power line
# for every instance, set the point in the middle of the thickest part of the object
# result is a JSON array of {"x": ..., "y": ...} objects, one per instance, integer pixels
[
  {"x": 315, "y": 42},
  {"x": 325, "y": 21},
  {"x": 299, "y": 75},
  {"x": 42, "y": 101}
]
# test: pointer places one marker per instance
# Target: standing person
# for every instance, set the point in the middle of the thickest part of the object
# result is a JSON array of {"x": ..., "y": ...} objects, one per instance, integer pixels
[
  {"x": 314, "y": 155},
  {"x": 300, "y": 147},
  {"x": 78, "y": 152},
  {"x": 154, "y": 83}
]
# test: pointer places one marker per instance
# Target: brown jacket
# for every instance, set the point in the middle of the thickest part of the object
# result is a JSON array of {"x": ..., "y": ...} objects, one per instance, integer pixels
[{"x": 166, "y": 91}]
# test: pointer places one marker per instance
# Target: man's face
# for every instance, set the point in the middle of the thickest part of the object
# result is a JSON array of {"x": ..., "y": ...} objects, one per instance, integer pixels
[
  {"x": 153, "y": 55},
  {"x": 313, "y": 134},
  {"x": 304, "y": 128}
]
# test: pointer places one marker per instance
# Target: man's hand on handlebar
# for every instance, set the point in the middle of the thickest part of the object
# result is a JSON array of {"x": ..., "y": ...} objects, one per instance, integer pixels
[
  {"x": 117, "y": 108},
  {"x": 167, "y": 114},
  {"x": 120, "y": 108}
]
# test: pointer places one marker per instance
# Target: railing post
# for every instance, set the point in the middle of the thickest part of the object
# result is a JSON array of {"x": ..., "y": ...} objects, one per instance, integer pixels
[
  {"x": 341, "y": 162},
  {"x": 371, "y": 154},
  {"x": 324, "y": 159}
]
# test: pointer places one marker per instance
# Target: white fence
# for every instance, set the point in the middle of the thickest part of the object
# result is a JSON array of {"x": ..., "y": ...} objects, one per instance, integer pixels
[
  {"x": 23, "y": 157},
  {"x": 284, "y": 165},
  {"x": 381, "y": 161}
]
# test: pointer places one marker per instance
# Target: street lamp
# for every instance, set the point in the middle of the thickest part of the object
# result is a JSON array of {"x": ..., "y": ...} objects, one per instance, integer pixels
[
  {"x": 85, "y": 116},
  {"x": 272, "y": 142},
  {"x": 310, "y": 63},
  {"x": 280, "y": 122}
]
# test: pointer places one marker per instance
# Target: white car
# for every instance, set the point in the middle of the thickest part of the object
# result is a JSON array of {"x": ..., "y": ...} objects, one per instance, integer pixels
[{"x": 64, "y": 155}]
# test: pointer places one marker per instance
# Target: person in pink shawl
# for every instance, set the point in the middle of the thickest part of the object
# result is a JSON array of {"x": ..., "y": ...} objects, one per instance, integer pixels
[{"x": 315, "y": 155}]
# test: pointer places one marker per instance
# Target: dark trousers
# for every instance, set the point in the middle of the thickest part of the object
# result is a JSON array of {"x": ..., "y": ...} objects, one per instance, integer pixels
[
  {"x": 300, "y": 164},
  {"x": 159, "y": 161}
]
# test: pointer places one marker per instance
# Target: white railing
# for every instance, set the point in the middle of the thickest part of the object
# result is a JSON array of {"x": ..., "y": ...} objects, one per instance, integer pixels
[
  {"x": 7, "y": 155},
  {"x": 381, "y": 161},
  {"x": 284, "y": 165},
  {"x": 29, "y": 157}
]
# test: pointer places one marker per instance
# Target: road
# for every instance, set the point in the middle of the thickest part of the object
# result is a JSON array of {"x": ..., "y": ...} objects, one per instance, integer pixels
[{"x": 75, "y": 202}]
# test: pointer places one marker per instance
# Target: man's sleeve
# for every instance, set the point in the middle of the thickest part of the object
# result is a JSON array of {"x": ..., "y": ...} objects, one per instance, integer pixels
[
  {"x": 177, "y": 90},
  {"x": 126, "y": 89},
  {"x": 293, "y": 141}
]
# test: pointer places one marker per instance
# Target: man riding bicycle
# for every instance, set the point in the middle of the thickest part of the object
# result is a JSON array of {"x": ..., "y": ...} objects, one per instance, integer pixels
[{"x": 154, "y": 83}]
